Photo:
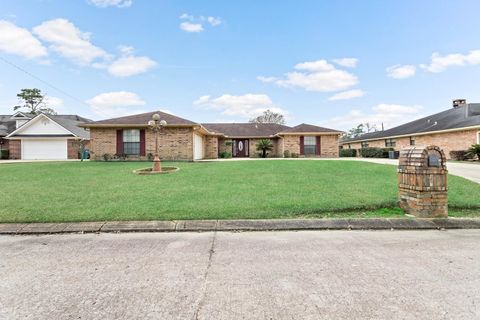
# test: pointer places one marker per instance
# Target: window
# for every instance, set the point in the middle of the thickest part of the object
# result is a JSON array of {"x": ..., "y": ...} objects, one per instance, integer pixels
[
  {"x": 412, "y": 141},
  {"x": 131, "y": 141},
  {"x": 364, "y": 144},
  {"x": 389, "y": 143},
  {"x": 478, "y": 137},
  {"x": 310, "y": 145}
]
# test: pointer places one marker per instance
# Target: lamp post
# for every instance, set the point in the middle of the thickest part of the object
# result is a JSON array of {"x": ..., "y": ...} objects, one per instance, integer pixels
[{"x": 156, "y": 125}]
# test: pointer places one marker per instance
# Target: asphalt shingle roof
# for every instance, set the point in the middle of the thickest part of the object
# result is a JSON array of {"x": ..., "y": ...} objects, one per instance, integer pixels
[
  {"x": 142, "y": 119},
  {"x": 245, "y": 129},
  {"x": 309, "y": 128},
  {"x": 454, "y": 118}
]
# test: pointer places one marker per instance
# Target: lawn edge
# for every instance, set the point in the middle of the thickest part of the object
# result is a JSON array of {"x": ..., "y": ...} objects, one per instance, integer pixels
[{"x": 240, "y": 225}]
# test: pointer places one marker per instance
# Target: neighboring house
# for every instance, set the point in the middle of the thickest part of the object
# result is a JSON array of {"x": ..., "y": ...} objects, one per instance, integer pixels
[
  {"x": 454, "y": 129},
  {"x": 42, "y": 136},
  {"x": 183, "y": 139}
]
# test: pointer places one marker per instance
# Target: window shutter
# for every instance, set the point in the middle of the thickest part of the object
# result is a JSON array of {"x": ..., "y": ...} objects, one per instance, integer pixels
[
  {"x": 302, "y": 145},
  {"x": 142, "y": 142},
  {"x": 120, "y": 141},
  {"x": 318, "y": 148}
]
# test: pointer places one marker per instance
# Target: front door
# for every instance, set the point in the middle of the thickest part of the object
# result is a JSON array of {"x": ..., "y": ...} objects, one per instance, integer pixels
[{"x": 240, "y": 148}]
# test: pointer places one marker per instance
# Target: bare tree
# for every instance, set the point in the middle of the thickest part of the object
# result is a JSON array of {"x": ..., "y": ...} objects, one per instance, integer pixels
[{"x": 269, "y": 116}]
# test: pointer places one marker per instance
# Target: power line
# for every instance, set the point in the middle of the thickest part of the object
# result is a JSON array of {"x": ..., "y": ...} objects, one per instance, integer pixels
[{"x": 43, "y": 81}]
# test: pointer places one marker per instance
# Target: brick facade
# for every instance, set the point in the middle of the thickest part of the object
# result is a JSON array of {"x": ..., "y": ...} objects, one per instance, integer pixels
[
  {"x": 447, "y": 141},
  {"x": 210, "y": 147},
  {"x": 328, "y": 145},
  {"x": 15, "y": 149},
  {"x": 174, "y": 143}
]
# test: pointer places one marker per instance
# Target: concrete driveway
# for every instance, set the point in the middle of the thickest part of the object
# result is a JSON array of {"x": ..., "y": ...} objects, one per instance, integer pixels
[
  {"x": 470, "y": 171},
  {"x": 277, "y": 275}
]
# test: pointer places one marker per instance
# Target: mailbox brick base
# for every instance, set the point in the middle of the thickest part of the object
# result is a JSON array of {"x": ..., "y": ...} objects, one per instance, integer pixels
[{"x": 422, "y": 182}]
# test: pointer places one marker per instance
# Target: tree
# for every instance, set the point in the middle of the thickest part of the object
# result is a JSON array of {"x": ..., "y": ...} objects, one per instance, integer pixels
[
  {"x": 264, "y": 145},
  {"x": 269, "y": 116},
  {"x": 362, "y": 128},
  {"x": 33, "y": 101},
  {"x": 474, "y": 151}
]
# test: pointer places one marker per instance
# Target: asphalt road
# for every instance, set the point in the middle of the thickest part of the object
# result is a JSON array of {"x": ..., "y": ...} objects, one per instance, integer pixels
[{"x": 276, "y": 275}]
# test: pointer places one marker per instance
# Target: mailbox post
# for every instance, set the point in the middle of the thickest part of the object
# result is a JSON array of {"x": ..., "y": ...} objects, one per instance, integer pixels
[{"x": 422, "y": 182}]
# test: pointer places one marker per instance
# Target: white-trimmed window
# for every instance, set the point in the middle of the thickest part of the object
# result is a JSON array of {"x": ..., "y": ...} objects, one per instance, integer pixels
[
  {"x": 413, "y": 141},
  {"x": 310, "y": 145},
  {"x": 478, "y": 137},
  {"x": 365, "y": 144},
  {"x": 131, "y": 141},
  {"x": 390, "y": 143}
]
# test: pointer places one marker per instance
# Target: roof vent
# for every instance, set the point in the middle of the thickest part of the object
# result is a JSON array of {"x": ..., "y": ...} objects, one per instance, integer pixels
[{"x": 457, "y": 103}]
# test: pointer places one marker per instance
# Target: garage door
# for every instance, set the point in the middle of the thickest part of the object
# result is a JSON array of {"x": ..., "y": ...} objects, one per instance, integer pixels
[
  {"x": 48, "y": 149},
  {"x": 197, "y": 147}
]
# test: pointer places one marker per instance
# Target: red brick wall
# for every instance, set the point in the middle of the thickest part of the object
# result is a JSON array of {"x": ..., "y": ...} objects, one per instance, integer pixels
[
  {"x": 15, "y": 147},
  {"x": 447, "y": 141}
]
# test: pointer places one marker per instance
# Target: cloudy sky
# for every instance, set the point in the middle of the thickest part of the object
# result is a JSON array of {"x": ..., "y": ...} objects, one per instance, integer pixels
[{"x": 331, "y": 63}]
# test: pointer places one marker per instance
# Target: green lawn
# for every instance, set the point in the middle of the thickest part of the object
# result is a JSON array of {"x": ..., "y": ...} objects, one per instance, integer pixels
[{"x": 88, "y": 191}]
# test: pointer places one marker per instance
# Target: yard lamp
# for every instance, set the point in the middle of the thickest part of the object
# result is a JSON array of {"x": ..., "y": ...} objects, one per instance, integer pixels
[{"x": 156, "y": 125}]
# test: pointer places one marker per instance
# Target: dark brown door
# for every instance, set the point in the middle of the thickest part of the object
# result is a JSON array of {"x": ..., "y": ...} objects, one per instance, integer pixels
[{"x": 240, "y": 148}]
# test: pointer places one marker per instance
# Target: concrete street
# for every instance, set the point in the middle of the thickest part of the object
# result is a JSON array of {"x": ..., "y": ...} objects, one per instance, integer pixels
[{"x": 251, "y": 275}]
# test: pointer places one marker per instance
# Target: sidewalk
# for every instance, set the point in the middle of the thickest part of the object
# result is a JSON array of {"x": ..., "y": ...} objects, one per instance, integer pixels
[{"x": 241, "y": 225}]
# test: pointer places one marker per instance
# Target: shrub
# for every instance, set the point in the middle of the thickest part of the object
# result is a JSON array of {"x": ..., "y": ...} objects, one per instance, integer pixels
[
  {"x": 294, "y": 155},
  {"x": 150, "y": 156},
  {"x": 225, "y": 154},
  {"x": 286, "y": 154},
  {"x": 474, "y": 151},
  {"x": 4, "y": 154},
  {"x": 460, "y": 155},
  {"x": 107, "y": 157},
  {"x": 348, "y": 152},
  {"x": 375, "y": 152}
]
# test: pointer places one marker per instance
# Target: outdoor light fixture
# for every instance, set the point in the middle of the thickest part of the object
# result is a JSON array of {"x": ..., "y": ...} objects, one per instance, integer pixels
[{"x": 156, "y": 125}]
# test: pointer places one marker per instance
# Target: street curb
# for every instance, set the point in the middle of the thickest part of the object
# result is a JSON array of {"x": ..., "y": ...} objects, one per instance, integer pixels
[{"x": 240, "y": 225}]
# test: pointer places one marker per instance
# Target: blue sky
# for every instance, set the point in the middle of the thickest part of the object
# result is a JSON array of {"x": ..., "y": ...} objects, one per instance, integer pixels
[{"x": 331, "y": 63}]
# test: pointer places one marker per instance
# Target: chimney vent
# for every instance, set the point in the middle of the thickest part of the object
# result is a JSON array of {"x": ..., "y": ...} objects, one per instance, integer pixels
[{"x": 457, "y": 103}]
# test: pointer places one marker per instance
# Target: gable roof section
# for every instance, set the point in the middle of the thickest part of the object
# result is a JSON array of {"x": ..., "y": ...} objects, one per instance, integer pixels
[
  {"x": 245, "y": 130},
  {"x": 451, "y": 119},
  {"x": 140, "y": 120},
  {"x": 308, "y": 128},
  {"x": 7, "y": 125},
  {"x": 66, "y": 122}
]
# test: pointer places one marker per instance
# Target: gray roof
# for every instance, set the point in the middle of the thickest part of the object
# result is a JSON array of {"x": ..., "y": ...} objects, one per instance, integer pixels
[
  {"x": 68, "y": 121},
  {"x": 453, "y": 118},
  {"x": 304, "y": 127},
  {"x": 245, "y": 129},
  {"x": 142, "y": 119}
]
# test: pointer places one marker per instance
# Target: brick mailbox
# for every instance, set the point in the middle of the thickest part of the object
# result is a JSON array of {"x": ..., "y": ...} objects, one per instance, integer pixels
[{"x": 422, "y": 182}]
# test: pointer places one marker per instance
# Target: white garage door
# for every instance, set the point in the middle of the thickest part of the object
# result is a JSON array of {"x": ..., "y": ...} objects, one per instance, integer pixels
[
  {"x": 48, "y": 149},
  {"x": 197, "y": 147}
]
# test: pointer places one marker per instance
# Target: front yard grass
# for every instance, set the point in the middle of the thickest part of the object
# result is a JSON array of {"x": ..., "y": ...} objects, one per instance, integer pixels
[{"x": 97, "y": 191}]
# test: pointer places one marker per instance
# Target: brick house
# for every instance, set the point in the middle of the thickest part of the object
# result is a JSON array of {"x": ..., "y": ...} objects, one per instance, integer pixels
[
  {"x": 42, "y": 137},
  {"x": 454, "y": 129},
  {"x": 182, "y": 139}
]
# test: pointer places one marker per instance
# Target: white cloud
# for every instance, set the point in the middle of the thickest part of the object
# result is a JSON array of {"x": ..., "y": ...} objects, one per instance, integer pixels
[
  {"x": 115, "y": 104},
  {"x": 401, "y": 71},
  {"x": 440, "y": 63},
  {"x": 191, "y": 27},
  {"x": 390, "y": 115},
  {"x": 110, "y": 3},
  {"x": 346, "y": 62},
  {"x": 130, "y": 65},
  {"x": 214, "y": 21},
  {"x": 55, "y": 103},
  {"x": 245, "y": 106},
  {"x": 196, "y": 24},
  {"x": 69, "y": 41},
  {"x": 19, "y": 41},
  {"x": 346, "y": 95},
  {"x": 317, "y": 75}
]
